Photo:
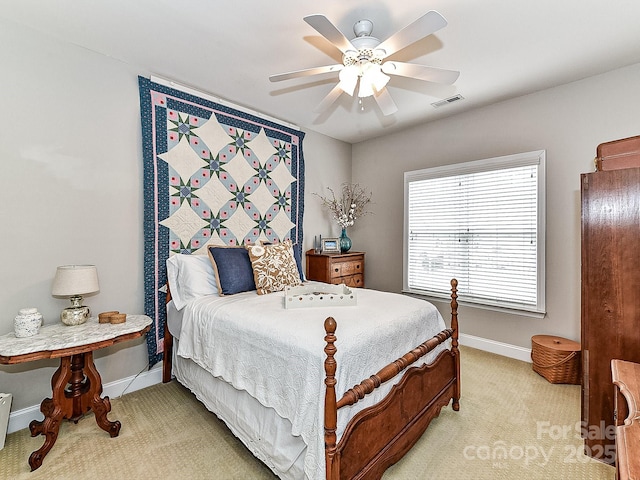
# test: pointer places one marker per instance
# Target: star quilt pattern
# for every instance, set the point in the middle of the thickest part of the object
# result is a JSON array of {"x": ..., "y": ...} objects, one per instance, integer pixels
[{"x": 212, "y": 175}]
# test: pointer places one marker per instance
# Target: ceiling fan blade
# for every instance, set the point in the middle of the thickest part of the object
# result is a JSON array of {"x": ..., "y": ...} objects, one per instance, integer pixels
[
  {"x": 329, "y": 99},
  {"x": 385, "y": 102},
  {"x": 329, "y": 31},
  {"x": 306, "y": 73},
  {"x": 421, "y": 72},
  {"x": 429, "y": 23}
]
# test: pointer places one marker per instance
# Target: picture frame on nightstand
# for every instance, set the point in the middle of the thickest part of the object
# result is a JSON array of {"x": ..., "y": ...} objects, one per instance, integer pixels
[{"x": 330, "y": 245}]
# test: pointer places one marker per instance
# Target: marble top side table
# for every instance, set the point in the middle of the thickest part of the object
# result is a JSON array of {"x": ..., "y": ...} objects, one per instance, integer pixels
[{"x": 76, "y": 384}]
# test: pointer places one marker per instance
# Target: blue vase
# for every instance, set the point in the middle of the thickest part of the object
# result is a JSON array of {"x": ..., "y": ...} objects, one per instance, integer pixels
[{"x": 345, "y": 242}]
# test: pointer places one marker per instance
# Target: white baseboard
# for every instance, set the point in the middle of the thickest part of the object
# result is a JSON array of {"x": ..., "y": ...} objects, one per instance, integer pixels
[
  {"x": 499, "y": 348},
  {"x": 21, "y": 418}
]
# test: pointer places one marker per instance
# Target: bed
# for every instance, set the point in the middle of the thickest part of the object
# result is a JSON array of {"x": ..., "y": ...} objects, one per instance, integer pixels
[
  {"x": 214, "y": 174},
  {"x": 305, "y": 389}
]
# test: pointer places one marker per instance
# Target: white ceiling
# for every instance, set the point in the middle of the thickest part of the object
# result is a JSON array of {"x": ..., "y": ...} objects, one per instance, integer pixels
[{"x": 503, "y": 49}]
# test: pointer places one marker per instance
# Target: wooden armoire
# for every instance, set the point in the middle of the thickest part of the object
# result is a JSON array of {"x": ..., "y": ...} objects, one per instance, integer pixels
[{"x": 610, "y": 296}]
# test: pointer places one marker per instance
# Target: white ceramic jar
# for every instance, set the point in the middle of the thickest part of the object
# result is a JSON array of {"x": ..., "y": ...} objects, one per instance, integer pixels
[{"x": 27, "y": 323}]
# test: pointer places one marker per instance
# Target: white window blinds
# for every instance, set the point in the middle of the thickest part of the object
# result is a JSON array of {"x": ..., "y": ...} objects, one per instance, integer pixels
[{"x": 483, "y": 223}]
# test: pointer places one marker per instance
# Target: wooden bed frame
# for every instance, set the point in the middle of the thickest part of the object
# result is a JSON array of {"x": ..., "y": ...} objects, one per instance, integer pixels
[{"x": 380, "y": 435}]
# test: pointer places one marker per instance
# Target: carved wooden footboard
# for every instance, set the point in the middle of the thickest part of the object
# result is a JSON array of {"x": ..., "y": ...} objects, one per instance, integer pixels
[{"x": 380, "y": 435}]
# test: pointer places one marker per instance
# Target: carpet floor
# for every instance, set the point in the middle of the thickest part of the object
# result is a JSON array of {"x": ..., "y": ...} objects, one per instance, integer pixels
[{"x": 512, "y": 424}]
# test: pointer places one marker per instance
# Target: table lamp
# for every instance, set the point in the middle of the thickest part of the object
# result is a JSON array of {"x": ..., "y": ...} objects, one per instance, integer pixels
[{"x": 73, "y": 281}]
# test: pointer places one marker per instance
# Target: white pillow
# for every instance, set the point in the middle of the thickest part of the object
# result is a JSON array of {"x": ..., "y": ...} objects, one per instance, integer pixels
[{"x": 189, "y": 277}]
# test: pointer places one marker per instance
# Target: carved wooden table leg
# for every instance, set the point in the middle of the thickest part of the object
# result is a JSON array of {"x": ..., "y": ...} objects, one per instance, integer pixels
[
  {"x": 100, "y": 406},
  {"x": 53, "y": 412},
  {"x": 76, "y": 389}
]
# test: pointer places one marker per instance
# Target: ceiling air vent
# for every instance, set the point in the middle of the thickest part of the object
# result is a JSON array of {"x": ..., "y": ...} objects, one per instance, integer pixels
[{"x": 447, "y": 101}]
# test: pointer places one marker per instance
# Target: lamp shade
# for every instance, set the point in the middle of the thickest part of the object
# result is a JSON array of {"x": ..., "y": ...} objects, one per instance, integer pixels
[
  {"x": 372, "y": 80},
  {"x": 349, "y": 78},
  {"x": 75, "y": 280}
]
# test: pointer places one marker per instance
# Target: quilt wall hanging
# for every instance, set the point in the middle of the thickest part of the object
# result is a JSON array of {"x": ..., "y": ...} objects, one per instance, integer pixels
[{"x": 212, "y": 174}]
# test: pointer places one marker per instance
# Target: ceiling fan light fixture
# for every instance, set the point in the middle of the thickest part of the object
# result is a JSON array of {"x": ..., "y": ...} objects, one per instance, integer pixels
[
  {"x": 372, "y": 80},
  {"x": 348, "y": 79},
  {"x": 365, "y": 90},
  {"x": 379, "y": 80}
]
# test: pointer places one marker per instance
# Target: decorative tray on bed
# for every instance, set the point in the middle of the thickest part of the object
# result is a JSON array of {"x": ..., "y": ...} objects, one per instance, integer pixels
[{"x": 325, "y": 295}]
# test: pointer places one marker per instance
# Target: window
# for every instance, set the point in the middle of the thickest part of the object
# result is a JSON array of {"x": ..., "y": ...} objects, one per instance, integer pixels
[{"x": 483, "y": 223}]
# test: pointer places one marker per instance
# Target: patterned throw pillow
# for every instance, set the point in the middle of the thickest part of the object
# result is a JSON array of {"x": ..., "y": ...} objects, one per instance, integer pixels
[{"x": 274, "y": 267}]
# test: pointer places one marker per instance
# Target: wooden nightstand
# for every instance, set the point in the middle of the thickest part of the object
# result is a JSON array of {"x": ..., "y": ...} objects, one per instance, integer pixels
[{"x": 336, "y": 268}]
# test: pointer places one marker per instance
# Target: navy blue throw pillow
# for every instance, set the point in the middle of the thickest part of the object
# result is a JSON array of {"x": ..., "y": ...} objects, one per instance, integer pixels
[{"x": 233, "y": 269}]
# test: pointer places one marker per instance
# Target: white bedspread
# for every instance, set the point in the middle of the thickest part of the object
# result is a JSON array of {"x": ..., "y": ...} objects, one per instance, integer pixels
[{"x": 277, "y": 355}]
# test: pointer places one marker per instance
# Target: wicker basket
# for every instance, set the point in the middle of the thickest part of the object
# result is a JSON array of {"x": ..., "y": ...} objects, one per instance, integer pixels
[{"x": 556, "y": 359}]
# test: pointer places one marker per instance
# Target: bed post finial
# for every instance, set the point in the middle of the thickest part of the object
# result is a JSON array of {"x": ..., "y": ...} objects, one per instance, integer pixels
[{"x": 330, "y": 408}]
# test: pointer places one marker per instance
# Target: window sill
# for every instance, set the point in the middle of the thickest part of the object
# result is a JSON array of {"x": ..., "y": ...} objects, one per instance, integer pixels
[{"x": 494, "y": 308}]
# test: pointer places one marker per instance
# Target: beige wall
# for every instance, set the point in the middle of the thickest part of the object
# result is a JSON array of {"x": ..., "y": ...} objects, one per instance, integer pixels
[
  {"x": 71, "y": 190},
  {"x": 327, "y": 166},
  {"x": 568, "y": 122}
]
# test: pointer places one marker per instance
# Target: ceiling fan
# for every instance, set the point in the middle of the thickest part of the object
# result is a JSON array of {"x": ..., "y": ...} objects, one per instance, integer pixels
[{"x": 363, "y": 60}]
